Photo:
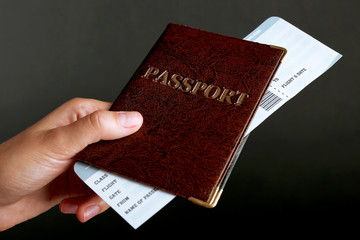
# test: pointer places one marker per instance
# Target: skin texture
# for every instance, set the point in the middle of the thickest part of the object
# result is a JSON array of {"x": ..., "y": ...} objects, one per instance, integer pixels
[{"x": 36, "y": 171}]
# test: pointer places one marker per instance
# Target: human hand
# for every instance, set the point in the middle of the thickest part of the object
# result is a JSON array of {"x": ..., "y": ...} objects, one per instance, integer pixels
[{"x": 36, "y": 166}]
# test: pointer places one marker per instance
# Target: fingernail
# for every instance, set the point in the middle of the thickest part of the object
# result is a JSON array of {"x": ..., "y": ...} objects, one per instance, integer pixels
[
  {"x": 69, "y": 208},
  {"x": 90, "y": 212},
  {"x": 130, "y": 119}
]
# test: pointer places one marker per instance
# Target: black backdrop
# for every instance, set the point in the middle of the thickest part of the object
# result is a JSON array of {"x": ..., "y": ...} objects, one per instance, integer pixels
[{"x": 299, "y": 170}]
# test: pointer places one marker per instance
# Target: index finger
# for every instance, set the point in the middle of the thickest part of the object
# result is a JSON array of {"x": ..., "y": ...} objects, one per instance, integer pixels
[{"x": 70, "y": 112}]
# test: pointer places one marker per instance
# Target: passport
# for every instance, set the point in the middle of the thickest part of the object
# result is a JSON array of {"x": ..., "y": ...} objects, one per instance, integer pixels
[{"x": 198, "y": 92}]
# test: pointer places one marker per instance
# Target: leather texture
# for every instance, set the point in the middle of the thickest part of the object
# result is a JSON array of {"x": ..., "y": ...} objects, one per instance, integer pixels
[{"x": 187, "y": 141}]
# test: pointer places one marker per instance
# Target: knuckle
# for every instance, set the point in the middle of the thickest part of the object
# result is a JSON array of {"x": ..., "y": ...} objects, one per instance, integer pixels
[
  {"x": 80, "y": 104},
  {"x": 80, "y": 107},
  {"x": 95, "y": 120},
  {"x": 77, "y": 102}
]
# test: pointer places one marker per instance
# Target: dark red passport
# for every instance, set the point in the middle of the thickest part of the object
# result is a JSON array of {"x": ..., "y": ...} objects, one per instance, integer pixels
[{"x": 197, "y": 92}]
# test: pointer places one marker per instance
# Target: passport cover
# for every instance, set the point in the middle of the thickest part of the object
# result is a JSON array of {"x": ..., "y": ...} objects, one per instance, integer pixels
[{"x": 197, "y": 92}]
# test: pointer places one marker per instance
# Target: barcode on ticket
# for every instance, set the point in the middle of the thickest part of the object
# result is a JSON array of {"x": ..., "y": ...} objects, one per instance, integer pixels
[{"x": 269, "y": 100}]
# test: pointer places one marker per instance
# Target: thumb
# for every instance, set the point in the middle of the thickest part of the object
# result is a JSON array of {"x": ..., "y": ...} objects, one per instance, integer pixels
[{"x": 99, "y": 125}]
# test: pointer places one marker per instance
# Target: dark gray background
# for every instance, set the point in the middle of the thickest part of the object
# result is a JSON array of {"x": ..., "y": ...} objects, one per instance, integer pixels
[{"x": 299, "y": 170}]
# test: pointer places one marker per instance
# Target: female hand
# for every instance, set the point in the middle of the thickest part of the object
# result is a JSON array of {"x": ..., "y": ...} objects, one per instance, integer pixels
[{"x": 36, "y": 166}]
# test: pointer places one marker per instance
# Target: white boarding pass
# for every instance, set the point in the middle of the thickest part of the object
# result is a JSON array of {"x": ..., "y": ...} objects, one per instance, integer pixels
[{"x": 306, "y": 59}]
